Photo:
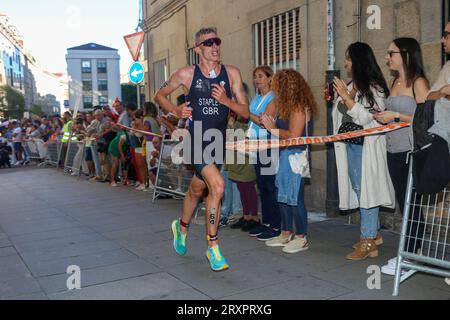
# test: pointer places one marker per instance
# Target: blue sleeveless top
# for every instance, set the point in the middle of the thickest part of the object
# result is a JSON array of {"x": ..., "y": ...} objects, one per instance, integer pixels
[
  {"x": 284, "y": 125},
  {"x": 207, "y": 110}
]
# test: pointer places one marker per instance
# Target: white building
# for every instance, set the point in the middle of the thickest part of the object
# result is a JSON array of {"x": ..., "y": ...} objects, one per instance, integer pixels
[
  {"x": 94, "y": 76},
  {"x": 12, "y": 56},
  {"x": 49, "y": 104},
  {"x": 20, "y": 70},
  {"x": 40, "y": 84}
]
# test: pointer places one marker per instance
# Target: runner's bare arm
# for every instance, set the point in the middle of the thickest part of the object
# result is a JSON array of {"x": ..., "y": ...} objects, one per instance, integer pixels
[
  {"x": 240, "y": 106},
  {"x": 177, "y": 80}
]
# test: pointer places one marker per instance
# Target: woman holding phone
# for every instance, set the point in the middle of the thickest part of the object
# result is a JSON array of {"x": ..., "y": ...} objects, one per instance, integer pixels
[{"x": 363, "y": 175}]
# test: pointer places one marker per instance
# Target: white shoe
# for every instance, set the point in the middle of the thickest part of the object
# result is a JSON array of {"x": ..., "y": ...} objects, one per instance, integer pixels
[
  {"x": 140, "y": 188},
  {"x": 447, "y": 281},
  {"x": 280, "y": 241},
  {"x": 391, "y": 267},
  {"x": 115, "y": 185},
  {"x": 297, "y": 245}
]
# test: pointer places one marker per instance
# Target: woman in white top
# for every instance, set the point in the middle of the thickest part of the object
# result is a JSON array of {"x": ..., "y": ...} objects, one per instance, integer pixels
[{"x": 363, "y": 175}]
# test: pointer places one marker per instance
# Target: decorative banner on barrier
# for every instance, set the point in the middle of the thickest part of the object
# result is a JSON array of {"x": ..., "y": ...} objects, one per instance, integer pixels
[{"x": 257, "y": 145}]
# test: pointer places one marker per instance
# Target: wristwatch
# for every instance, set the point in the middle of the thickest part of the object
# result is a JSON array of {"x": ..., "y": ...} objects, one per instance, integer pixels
[{"x": 397, "y": 117}]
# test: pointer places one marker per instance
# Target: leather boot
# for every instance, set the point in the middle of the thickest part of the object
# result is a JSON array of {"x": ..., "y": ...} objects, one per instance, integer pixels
[
  {"x": 367, "y": 248},
  {"x": 379, "y": 241}
]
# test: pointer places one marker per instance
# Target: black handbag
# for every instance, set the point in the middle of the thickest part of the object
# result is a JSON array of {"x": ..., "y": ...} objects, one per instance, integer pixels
[{"x": 349, "y": 127}]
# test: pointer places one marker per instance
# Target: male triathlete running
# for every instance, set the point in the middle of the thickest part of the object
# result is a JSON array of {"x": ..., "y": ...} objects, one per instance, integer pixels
[{"x": 211, "y": 88}]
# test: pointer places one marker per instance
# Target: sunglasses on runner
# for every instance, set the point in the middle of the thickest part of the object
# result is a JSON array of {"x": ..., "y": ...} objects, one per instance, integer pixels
[
  {"x": 210, "y": 42},
  {"x": 445, "y": 34}
]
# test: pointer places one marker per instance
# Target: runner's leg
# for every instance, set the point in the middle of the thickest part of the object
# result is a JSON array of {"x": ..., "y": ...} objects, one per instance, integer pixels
[
  {"x": 216, "y": 188},
  {"x": 191, "y": 200}
]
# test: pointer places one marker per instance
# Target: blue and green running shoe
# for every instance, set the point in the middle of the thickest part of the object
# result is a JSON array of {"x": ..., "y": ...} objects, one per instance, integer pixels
[
  {"x": 216, "y": 260},
  {"x": 179, "y": 239}
]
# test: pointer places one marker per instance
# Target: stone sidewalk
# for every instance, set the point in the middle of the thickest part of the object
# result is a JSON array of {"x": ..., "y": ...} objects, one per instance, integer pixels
[{"x": 122, "y": 242}]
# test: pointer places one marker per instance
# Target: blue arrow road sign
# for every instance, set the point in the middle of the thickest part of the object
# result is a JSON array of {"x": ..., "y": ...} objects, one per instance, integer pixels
[{"x": 137, "y": 73}]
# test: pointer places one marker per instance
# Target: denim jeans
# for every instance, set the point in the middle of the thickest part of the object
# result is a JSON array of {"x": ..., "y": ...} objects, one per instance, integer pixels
[
  {"x": 96, "y": 159},
  {"x": 231, "y": 203},
  {"x": 291, "y": 197},
  {"x": 295, "y": 218},
  {"x": 370, "y": 220},
  {"x": 268, "y": 193}
]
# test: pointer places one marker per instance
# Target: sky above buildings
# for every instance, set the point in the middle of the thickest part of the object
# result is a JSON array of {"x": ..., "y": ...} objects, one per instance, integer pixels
[{"x": 49, "y": 27}]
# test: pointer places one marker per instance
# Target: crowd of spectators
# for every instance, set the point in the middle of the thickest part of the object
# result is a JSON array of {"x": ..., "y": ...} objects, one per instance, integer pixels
[{"x": 111, "y": 151}]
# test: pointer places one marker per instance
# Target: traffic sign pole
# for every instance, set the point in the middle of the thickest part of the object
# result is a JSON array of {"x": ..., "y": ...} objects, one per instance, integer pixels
[
  {"x": 137, "y": 75},
  {"x": 134, "y": 43},
  {"x": 138, "y": 96}
]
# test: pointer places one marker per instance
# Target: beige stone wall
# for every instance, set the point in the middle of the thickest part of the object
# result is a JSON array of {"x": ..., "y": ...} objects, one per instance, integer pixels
[{"x": 234, "y": 19}]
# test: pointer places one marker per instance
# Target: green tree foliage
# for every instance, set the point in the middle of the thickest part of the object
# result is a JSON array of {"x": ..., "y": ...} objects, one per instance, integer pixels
[
  {"x": 37, "y": 110},
  {"x": 12, "y": 103}
]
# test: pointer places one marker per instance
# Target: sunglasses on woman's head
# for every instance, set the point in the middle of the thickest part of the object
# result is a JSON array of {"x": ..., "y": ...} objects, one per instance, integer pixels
[{"x": 210, "y": 42}]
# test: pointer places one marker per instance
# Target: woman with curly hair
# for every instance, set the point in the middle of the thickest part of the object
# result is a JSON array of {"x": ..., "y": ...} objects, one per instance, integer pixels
[{"x": 295, "y": 107}]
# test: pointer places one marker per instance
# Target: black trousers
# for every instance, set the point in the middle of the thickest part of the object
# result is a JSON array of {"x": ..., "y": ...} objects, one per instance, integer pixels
[{"x": 399, "y": 170}]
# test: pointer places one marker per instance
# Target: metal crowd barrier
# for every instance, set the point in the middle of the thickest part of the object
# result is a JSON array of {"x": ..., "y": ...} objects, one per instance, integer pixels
[
  {"x": 425, "y": 237},
  {"x": 74, "y": 158},
  {"x": 171, "y": 179},
  {"x": 54, "y": 152},
  {"x": 53, "y": 157},
  {"x": 35, "y": 150}
]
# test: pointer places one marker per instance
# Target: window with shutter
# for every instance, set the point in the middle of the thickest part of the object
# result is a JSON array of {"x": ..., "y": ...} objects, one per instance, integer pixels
[
  {"x": 278, "y": 41},
  {"x": 192, "y": 57},
  {"x": 159, "y": 74}
]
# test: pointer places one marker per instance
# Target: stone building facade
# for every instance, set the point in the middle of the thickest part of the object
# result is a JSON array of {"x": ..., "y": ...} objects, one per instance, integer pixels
[{"x": 298, "y": 31}]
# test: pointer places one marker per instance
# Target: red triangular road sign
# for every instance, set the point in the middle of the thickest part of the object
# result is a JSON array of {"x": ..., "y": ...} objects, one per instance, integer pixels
[{"x": 134, "y": 43}]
